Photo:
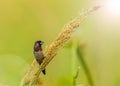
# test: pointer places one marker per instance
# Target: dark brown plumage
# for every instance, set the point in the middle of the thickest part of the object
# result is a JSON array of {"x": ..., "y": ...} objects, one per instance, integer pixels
[{"x": 39, "y": 56}]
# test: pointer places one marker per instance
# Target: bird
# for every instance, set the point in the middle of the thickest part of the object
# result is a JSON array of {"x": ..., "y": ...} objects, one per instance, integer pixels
[{"x": 38, "y": 53}]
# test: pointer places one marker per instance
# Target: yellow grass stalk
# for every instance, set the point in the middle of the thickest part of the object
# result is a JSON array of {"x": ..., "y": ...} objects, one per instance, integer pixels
[{"x": 31, "y": 76}]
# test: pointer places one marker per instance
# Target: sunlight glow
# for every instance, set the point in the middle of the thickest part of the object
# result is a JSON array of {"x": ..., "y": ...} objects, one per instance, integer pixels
[
  {"x": 109, "y": 15},
  {"x": 113, "y": 6}
]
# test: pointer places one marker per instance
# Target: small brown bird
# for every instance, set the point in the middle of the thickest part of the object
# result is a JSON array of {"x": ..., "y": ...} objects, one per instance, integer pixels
[{"x": 38, "y": 53}]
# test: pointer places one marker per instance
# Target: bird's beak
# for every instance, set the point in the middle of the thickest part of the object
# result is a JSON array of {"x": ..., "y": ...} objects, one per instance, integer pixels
[{"x": 41, "y": 42}]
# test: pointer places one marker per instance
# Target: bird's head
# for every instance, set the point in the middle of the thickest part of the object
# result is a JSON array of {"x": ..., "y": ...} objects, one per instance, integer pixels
[
  {"x": 37, "y": 45},
  {"x": 39, "y": 42}
]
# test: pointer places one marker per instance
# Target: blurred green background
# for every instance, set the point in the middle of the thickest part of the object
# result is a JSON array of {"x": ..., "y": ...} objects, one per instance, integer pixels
[{"x": 22, "y": 22}]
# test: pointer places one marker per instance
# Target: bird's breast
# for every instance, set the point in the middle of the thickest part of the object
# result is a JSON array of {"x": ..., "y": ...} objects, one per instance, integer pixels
[{"x": 39, "y": 56}]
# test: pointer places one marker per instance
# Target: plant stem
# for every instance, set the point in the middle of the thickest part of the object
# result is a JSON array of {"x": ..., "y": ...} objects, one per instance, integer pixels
[{"x": 85, "y": 67}]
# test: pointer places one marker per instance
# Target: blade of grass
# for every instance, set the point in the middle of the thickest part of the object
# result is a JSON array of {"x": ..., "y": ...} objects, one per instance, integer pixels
[{"x": 85, "y": 66}]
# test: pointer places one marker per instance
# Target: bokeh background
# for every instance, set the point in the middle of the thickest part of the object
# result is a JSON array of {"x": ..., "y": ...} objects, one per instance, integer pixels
[{"x": 22, "y": 22}]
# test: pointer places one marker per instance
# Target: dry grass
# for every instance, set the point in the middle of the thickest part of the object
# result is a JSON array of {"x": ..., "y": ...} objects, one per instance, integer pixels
[{"x": 32, "y": 75}]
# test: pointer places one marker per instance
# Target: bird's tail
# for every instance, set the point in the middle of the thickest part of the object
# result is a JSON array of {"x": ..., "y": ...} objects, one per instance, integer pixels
[{"x": 44, "y": 71}]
